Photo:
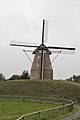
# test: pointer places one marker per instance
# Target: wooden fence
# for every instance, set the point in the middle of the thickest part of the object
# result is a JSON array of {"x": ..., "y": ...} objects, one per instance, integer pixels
[{"x": 48, "y": 114}]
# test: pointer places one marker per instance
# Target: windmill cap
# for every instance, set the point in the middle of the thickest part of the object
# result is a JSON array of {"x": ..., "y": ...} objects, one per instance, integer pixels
[{"x": 42, "y": 47}]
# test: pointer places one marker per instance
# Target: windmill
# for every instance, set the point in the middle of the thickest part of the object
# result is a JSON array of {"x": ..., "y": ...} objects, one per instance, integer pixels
[{"x": 41, "y": 66}]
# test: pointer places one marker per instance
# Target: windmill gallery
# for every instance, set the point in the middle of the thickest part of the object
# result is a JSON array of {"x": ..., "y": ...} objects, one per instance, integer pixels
[{"x": 41, "y": 66}]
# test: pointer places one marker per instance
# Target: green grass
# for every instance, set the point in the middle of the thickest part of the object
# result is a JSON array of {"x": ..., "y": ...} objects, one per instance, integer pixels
[
  {"x": 10, "y": 109},
  {"x": 41, "y": 88},
  {"x": 31, "y": 89}
]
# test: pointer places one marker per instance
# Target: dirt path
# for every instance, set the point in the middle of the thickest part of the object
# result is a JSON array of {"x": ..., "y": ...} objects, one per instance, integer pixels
[{"x": 74, "y": 116}]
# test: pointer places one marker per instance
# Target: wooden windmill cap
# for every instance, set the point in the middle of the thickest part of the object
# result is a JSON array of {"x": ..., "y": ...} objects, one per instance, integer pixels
[{"x": 42, "y": 47}]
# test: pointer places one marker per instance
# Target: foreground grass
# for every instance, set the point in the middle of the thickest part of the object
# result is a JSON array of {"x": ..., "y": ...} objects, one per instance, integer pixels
[{"x": 12, "y": 109}]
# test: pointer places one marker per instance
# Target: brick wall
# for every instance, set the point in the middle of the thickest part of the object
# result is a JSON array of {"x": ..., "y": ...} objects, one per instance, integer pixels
[{"x": 36, "y": 67}]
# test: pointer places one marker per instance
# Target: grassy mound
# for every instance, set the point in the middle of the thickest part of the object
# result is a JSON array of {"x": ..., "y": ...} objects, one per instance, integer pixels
[{"x": 41, "y": 88}]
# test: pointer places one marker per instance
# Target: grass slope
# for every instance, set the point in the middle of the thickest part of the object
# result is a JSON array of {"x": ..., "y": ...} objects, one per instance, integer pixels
[
  {"x": 13, "y": 109},
  {"x": 41, "y": 88}
]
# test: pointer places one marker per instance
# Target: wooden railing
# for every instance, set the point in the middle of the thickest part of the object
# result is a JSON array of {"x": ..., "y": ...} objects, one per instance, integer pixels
[{"x": 48, "y": 114}]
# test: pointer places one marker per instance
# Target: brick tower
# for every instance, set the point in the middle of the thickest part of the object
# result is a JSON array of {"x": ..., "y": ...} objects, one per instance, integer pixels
[{"x": 46, "y": 72}]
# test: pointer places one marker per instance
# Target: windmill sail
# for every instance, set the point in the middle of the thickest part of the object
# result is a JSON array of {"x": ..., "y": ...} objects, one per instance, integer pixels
[
  {"x": 64, "y": 48},
  {"x": 21, "y": 44},
  {"x": 46, "y": 31},
  {"x": 43, "y": 31}
]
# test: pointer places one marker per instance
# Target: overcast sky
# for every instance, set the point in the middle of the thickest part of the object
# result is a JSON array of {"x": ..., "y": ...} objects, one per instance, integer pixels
[{"x": 21, "y": 20}]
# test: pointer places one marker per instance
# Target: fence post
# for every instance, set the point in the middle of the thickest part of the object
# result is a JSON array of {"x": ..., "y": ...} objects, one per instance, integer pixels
[
  {"x": 38, "y": 115},
  {"x": 22, "y": 118},
  {"x": 71, "y": 107},
  {"x": 63, "y": 109},
  {"x": 52, "y": 113}
]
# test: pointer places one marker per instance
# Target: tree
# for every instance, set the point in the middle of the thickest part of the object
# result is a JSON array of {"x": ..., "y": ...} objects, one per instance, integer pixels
[
  {"x": 2, "y": 77},
  {"x": 25, "y": 75},
  {"x": 14, "y": 77}
]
